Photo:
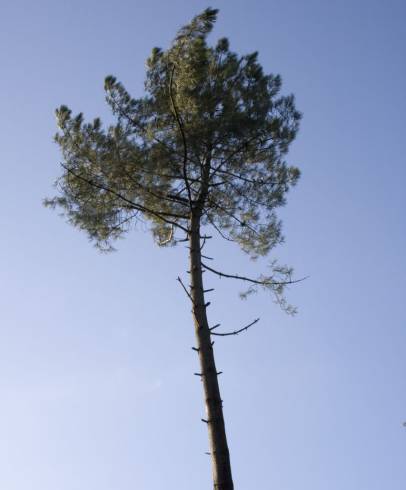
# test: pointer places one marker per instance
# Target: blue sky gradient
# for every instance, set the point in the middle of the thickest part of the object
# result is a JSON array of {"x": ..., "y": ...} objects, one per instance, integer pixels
[{"x": 96, "y": 369}]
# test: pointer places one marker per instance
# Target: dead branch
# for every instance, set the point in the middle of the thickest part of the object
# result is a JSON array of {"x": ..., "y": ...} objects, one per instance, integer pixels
[
  {"x": 236, "y": 332},
  {"x": 185, "y": 289}
]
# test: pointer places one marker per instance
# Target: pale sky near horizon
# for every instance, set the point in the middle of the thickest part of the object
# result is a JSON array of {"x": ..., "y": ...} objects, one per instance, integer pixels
[{"x": 96, "y": 367}]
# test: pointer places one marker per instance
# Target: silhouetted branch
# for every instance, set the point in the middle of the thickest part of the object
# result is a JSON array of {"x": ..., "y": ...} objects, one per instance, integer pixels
[
  {"x": 222, "y": 234},
  {"x": 185, "y": 289},
  {"x": 254, "y": 281},
  {"x": 234, "y": 217},
  {"x": 236, "y": 332}
]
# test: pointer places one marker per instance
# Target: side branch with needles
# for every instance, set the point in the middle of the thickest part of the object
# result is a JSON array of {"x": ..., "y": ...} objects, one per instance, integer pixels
[{"x": 260, "y": 282}]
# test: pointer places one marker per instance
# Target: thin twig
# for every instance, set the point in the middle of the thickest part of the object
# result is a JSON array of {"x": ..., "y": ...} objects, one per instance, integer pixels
[{"x": 222, "y": 234}]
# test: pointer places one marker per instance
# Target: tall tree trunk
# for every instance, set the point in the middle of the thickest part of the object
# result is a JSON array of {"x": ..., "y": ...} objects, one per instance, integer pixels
[{"x": 220, "y": 457}]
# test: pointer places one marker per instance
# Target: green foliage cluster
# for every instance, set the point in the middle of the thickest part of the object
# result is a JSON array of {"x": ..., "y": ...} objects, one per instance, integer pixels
[{"x": 210, "y": 135}]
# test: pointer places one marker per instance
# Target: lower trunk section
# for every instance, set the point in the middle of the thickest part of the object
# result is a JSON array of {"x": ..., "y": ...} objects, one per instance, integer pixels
[{"x": 222, "y": 478}]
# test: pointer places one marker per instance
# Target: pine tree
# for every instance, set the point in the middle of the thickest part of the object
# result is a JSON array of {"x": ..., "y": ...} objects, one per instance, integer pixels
[{"x": 203, "y": 149}]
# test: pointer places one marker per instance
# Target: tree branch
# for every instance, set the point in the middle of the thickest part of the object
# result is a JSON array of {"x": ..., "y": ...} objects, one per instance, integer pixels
[
  {"x": 231, "y": 215},
  {"x": 185, "y": 289},
  {"x": 253, "y": 281},
  {"x": 236, "y": 332},
  {"x": 165, "y": 197},
  {"x": 181, "y": 129},
  {"x": 218, "y": 229},
  {"x": 139, "y": 207},
  {"x": 249, "y": 181}
]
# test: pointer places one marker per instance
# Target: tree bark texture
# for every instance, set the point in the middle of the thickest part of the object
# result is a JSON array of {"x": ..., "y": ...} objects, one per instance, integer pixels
[{"x": 220, "y": 457}]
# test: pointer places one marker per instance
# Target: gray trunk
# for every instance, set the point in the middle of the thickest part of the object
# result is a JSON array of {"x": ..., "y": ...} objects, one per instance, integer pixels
[{"x": 220, "y": 457}]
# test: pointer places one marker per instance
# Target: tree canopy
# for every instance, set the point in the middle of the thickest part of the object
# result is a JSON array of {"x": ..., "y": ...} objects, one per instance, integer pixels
[{"x": 211, "y": 134}]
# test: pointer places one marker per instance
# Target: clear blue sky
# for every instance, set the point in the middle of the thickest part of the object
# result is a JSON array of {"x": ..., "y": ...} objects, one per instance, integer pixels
[{"x": 96, "y": 371}]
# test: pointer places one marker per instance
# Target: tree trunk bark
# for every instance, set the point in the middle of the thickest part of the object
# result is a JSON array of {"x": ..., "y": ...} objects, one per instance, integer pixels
[{"x": 220, "y": 457}]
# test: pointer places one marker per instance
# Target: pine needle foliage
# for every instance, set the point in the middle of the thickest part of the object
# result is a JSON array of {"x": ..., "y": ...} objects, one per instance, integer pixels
[{"x": 211, "y": 130}]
